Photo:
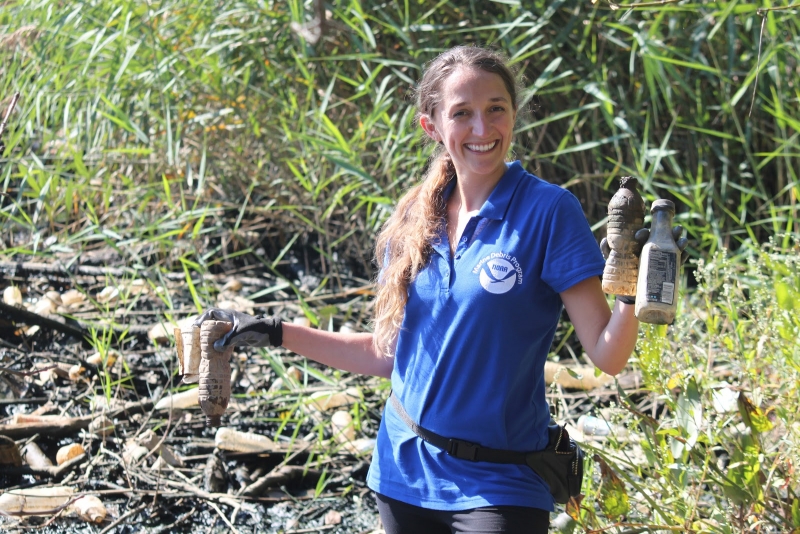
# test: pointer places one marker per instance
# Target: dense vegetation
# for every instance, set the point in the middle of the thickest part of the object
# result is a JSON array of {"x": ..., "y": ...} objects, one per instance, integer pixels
[{"x": 205, "y": 136}]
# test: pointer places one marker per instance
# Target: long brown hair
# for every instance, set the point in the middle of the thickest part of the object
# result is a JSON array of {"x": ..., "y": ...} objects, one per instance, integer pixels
[{"x": 403, "y": 246}]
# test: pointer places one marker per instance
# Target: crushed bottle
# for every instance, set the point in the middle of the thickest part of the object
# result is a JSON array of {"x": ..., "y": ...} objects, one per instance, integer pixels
[
  {"x": 625, "y": 217},
  {"x": 215, "y": 372}
]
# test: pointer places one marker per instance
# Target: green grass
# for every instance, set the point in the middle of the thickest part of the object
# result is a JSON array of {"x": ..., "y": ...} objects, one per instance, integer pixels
[{"x": 197, "y": 137}]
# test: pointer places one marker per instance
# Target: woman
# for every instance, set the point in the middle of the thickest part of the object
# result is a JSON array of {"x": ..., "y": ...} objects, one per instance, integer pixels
[{"x": 475, "y": 264}]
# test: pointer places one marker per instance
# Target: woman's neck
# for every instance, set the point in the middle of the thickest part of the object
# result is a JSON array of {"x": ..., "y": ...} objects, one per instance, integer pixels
[{"x": 471, "y": 193}]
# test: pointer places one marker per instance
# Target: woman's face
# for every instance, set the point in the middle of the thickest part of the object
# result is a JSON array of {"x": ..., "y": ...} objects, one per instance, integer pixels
[{"x": 474, "y": 121}]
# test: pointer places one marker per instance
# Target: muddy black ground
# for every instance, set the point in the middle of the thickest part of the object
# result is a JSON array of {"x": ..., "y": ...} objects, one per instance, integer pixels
[{"x": 142, "y": 497}]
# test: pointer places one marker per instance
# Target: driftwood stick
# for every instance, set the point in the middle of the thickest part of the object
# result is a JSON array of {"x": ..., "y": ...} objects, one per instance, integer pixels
[
  {"x": 30, "y": 318},
  {"x": 19, "y": 268},
  {"x": 55, "y": 471},
  {"x": 64, "y": 427},
  {"x": 123, "y": 517},
  {"x": 57, "y": 268},
  {"x": 57, "y": 322},
  {"x": 282, "y": 476},
  {"x": 68, "y": 425}
]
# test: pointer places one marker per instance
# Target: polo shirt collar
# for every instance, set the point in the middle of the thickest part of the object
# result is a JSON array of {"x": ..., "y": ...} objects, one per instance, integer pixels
[{"x": 496, "y": 205}]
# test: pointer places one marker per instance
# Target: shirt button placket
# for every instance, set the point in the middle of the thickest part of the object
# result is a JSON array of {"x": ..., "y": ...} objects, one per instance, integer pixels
[{"x": 462, "y": 244}]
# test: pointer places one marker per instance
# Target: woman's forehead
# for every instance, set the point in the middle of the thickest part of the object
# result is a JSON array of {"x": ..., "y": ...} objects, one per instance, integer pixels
[{"x": 468, "y": 84}]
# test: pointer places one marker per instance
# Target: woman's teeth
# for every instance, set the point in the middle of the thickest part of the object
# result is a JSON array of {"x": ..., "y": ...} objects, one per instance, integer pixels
[{"x": 482, "y": 148}]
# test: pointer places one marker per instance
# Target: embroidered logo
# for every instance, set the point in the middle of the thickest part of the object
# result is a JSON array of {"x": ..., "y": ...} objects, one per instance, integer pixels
[{"x": 498, "y": 272}]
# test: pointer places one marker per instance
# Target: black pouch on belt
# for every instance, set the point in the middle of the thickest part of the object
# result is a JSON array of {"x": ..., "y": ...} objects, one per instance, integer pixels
[{"x": 560, "y": 464}]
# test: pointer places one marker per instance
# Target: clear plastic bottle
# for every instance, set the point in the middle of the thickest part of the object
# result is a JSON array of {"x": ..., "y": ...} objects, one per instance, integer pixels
[{"x": 659, "y": 267}]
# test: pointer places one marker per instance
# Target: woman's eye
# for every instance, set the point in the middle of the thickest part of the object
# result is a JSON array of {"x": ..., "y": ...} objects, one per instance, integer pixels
[
  {"x": 459, "y": 113},
  {"x": 498, "y": 108}
]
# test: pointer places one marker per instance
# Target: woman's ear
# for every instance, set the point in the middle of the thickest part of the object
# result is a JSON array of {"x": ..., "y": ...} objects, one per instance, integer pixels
[{"x": 430, "y": 128}]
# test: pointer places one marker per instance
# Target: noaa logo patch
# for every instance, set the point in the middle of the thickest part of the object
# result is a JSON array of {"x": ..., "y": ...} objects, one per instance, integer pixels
[{"x": 498, "y": 272}]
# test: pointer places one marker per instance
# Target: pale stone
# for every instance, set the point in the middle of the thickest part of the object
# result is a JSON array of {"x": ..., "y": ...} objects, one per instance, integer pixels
[
  {"x": 68, "y": 452},
  {"x": 12, "y": 296}
]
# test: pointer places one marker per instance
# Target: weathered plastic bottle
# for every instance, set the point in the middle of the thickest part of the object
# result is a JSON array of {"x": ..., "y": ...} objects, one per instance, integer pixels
[
  {"x": 215, "y": 372},
  {"x": 625, "y": 217},
  {"x": 657, "y": 287}
]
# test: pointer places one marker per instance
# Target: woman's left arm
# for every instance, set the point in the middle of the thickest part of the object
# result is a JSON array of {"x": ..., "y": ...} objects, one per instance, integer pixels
[{"x": 607, "y": 337}]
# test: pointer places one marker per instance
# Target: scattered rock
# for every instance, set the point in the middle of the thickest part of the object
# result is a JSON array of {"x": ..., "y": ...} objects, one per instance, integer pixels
[
  {"x": 12, "y": 296},
  {"x": 68, "y": 452}
]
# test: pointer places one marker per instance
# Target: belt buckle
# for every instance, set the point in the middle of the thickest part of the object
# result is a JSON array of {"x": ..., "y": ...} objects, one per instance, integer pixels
[{"x": 462, "y": 449}]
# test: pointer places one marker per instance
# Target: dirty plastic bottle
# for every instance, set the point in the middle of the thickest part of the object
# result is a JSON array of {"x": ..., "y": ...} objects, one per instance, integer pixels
[
  {"x": 625, "y": 217},
  {"x": 657, "y": 287},
  {"x": 215, "y": 372}
]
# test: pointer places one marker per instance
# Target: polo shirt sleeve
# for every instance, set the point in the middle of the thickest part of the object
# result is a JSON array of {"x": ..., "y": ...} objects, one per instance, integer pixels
[{"x": 572, "y": 252}]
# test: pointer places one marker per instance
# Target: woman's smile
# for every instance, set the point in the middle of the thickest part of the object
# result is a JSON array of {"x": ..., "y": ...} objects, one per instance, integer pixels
[{"x": 486, "y": 147}]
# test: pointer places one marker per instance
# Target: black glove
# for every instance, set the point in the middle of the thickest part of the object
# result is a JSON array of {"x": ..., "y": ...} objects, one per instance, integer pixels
[
  {"x": 643, "y": 234},
  {"x": 677, "y": 231},
  {"x": 258, "y": 331}
]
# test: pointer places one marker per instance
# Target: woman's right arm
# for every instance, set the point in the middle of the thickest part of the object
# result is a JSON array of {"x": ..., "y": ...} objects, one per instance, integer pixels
[
  {"x": 350, "y": 352},
  {"x": 355, "y": 353}
]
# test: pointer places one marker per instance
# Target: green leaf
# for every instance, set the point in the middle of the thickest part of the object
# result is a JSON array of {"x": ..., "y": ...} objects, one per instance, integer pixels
[
  {"x": 743, "y": 479},
  {"x": 593, "y": 89},
  {"x": 715, "y": 133},
  {"x": 614, "y": 499},
  {"x": 573, "y": 373},
  {"x": 585, "y": 146},
  {"x": 688, "y": 64},
  {"x": 689, "y": 413},
  {"x": 785, "y": 295},
  {"x": 752, "y": 415},
  {"x": 542, "y": 80}
]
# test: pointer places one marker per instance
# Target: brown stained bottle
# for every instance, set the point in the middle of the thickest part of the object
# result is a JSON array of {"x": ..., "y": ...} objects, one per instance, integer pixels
[
  {"x": 657, "y": 288},
  {"x": 215, "y": 372},
  {"x": 625, "y": 217}
]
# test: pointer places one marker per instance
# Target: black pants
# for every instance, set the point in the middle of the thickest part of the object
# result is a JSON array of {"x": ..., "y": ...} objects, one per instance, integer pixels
[{"x": 401, "y": 518}]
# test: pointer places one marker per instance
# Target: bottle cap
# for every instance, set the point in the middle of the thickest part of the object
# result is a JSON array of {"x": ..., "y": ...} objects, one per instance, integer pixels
[{"x": 663, "y": 204}]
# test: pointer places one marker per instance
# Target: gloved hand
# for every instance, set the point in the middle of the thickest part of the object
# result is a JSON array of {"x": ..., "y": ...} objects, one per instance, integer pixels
[
  {"x": 258, "y": 331},
  {"x": 643, "y": 234}
]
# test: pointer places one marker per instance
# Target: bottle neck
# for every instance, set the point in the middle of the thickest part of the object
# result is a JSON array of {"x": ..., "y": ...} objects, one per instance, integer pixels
[{"x": 661, "y": 227}]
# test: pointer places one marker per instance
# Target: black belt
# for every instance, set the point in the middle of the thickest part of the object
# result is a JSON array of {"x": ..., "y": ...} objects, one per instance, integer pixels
[
  {"x": 459, "y": 447},
  {"x": 560, "y": 464}
]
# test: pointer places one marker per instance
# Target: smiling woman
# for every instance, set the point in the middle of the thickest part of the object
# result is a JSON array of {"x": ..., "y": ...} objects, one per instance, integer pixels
[{"x": 476, "y": 264}]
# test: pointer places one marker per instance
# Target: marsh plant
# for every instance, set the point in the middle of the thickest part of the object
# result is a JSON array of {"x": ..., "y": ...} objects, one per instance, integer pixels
[
  {"x": 208, "y": 136},
  {"x": 720, "y": 452}
]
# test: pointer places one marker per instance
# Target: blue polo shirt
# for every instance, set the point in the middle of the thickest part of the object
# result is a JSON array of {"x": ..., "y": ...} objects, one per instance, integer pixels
[{"x": 470, "y": 356}]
